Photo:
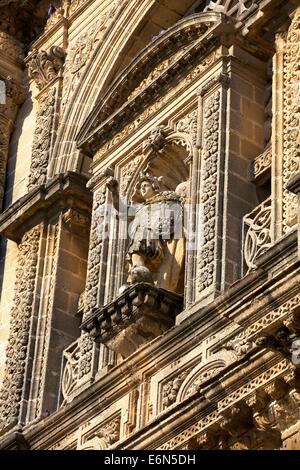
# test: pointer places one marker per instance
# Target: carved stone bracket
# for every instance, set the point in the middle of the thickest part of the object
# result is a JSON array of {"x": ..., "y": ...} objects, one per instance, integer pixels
[
  {"x": 137, "y": 316},
  {"x": 285, "y": 339}
]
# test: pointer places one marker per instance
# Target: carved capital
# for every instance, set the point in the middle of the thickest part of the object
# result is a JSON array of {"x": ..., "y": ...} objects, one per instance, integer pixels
[{"x": 43, "y": 67}]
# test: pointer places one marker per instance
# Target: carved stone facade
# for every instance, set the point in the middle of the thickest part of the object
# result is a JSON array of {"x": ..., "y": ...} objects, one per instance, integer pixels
[{"x": 151, "y": 225}]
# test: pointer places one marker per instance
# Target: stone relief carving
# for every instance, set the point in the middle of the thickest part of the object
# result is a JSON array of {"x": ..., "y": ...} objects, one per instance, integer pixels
[
  {"x": 274, "y": 316},
  {"x": 104, "y": 437},
  {"x": 150, "y": 110},
  {"x": 257, "y": 229},
  {"x": 71, "y": 356},
  {"x": 170, "y": 389},
  {"x": 96, "y": 243},
  {"x": 41, "y": 146},
  {"x": 262, "y": 163},
  {"x": 188, "y": 124},
  {"x": 291, "y": 118},
  {"x": 128, "y": 172},
  {"x": 155, "y": 73},
  {"x": 54, "y": 18},
  {"x": 21, "y": 318},
  {"x": 14, "y": 96},
  {"x": 81, "y": 50},
  {"x": 44, "y": 67},
  {"x": 230, "y": 7},
  {"x": 79, "y": 356},
  {"x": 199, "y": 374},
  {"x": 211, "y": 127},
  {"x": 224, "y": 408},
  {"x": 73, "y": 5}
]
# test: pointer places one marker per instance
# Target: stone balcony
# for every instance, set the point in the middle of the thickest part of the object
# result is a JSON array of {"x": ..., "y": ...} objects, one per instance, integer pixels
[{"x": 137, "y": 316}]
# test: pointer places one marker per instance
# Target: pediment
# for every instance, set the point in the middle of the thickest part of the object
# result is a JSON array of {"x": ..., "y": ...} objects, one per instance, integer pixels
[{"x": 170, "y": 54}]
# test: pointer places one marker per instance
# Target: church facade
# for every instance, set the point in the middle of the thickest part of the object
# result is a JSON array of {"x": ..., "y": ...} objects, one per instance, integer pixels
[{"x": 150, "y": 230}]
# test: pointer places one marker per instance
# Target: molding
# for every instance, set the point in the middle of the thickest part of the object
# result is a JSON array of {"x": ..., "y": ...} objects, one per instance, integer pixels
[
  {"x": 196, "y": 33},
  {"x": 66, "y": 190}
]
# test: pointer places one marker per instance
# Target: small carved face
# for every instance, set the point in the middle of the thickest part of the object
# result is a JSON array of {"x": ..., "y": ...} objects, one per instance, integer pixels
[{"x": 147, "y": 190}]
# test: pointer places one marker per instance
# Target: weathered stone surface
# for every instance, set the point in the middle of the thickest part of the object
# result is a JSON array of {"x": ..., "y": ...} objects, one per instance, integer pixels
[{"x": 114, "y": 333}]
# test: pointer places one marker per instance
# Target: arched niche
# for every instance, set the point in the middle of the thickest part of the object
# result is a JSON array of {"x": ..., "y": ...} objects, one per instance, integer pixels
[{"x": 172, "y": 163}]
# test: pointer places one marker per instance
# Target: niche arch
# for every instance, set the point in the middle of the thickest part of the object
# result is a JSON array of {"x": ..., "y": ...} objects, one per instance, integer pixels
[{"x": 172, "y": 163}]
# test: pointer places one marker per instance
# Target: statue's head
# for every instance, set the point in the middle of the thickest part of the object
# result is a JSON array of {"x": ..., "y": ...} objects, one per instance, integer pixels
[{"x": 148, "y": 185}]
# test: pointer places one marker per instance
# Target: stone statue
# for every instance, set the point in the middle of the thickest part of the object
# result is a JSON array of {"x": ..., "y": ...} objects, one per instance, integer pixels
[{"x": 156, "y": 244}]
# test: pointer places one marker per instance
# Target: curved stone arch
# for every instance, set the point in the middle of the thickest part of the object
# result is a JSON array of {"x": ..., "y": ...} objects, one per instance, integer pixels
[
  {"x": 87, "y": 90},
  {"x": 184, "y": 139},
  {"x": 117, "y": 100},
  {"x": 148, "y": 164},
  {"x": 203, "y": 372}
]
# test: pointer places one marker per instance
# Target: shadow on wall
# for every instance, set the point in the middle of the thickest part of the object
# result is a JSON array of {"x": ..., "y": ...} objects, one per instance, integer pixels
[{"x": 18, "y": 164}]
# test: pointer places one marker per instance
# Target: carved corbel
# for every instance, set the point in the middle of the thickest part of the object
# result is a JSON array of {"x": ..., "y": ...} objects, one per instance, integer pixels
[
  {"x": 285, "y": 340},
  {"x": 237, "y": 420}
]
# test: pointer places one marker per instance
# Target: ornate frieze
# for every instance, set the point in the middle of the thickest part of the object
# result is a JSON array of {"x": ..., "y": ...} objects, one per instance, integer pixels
[
  {"x": 20, "y": 325},
  {"x": 262, "y": 164},
  {"x": 229, "y": 407},
  {"x": 41, "y": 147},
  {"x": 160, "y": 102},
  {"x": 44, "y": 67},
  {"x": 208, "y": 190},
  {"x": 96, "y": 243}
]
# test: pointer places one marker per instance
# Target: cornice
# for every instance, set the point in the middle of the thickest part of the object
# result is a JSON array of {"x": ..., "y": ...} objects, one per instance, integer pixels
[{"x": 66, "y": 190}]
